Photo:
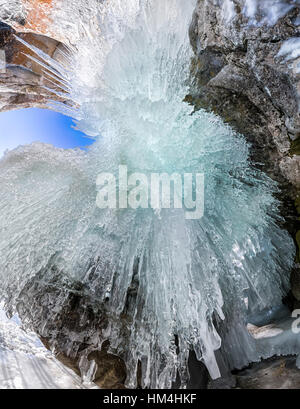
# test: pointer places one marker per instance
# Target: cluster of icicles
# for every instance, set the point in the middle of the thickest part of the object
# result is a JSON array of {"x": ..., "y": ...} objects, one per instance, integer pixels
[{"x": 194, "y": 281}]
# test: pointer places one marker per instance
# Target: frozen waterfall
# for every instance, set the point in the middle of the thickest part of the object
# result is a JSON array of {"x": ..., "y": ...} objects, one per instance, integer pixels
[{"x": 165, "y": 285}]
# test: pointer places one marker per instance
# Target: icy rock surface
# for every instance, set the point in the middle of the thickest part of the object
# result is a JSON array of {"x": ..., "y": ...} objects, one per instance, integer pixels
[
  {"x": 257, "y": 12},
  {"x": 290, "y": 52},
  {"x": 167, "y": 284},
  {"x": 268, "y": 12},
  {"x": 26, "y": 364},
  {"x": 12, "y": 10},
  {"x": 237, "y": 71}
]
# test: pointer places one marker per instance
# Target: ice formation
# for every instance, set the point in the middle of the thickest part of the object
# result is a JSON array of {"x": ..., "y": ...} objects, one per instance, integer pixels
[
  {"x": 290, "y": 51},
  {"x": 228, "y": 10},
  {"x": 26, "y": 364},
  {"x": 166, "y": 284},
  {"x": 268, "y": 12},
  {"x": 258, "y": 12}
]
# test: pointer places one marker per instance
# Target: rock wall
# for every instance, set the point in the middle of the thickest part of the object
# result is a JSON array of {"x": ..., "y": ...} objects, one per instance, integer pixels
[
  {"x": 246, "y": 70},
  {"x": 47, "y": 25},
  {"x": 23, "y": 82},
  {"x": 246, "y": 66}
]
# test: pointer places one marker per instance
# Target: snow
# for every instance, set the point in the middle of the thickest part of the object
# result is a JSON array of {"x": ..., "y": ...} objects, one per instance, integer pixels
[
  {"x": 191, "y": 277},
  {"x": 260, "y": 12},
  {"x": 26, "y": 364}
]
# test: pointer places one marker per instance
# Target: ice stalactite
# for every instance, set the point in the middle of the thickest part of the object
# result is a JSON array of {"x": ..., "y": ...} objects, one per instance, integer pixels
[{"x": 166, "y": 285}]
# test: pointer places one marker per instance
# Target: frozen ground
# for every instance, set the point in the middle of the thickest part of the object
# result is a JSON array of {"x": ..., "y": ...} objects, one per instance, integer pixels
[{"x": 26, "y": 364}]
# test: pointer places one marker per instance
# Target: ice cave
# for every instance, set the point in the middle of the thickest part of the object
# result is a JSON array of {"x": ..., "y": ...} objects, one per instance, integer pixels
[{"x": 136, "y": 295}]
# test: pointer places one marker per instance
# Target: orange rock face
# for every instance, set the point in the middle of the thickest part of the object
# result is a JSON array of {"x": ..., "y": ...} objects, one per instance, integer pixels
[
  {"x": 39, "y": 12},
  {"x": 38, "y": 17}
]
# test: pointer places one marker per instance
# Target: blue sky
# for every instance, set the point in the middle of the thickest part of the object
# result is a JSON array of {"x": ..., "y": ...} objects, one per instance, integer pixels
[{"x": 24, "y": 126}]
